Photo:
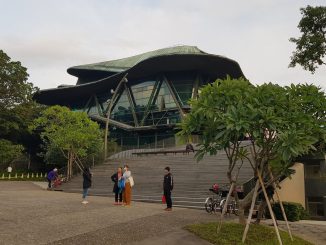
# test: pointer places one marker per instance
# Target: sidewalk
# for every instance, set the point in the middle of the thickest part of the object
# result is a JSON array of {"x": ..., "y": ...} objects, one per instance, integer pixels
[
  {"x": 32, "y": 215},
  {"x": 311, "y": 230}
]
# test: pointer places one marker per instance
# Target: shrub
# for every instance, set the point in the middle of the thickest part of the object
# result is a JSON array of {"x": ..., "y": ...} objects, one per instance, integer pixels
[{"x": 294, "y": 211}]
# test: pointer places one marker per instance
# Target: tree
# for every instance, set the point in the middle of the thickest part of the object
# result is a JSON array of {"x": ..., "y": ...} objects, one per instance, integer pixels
[
  {"x": 73, "y": 133},
  {"x": 9, "y": 152},
  {"x": 17, "y": 109},
  {"x": 281, "y": 124},
  {"x": 14, "y": 88},
  {"x": 311, "y": 46}
]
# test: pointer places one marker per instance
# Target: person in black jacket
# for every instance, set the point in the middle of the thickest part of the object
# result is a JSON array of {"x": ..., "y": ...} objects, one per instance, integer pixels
[
  {"x": 167, "y": 188},
  {"x": 87, "y": 183},
  {"x": 117, "y": 191}
]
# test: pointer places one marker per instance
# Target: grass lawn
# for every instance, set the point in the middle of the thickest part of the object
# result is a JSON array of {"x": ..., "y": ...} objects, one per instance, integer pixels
[{"x": 231, "y": 234}]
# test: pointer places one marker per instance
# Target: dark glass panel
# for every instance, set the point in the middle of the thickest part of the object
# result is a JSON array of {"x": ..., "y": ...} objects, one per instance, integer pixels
[
  {"x": 142, "y": 93},
  {"x": 164, "y": 99},
  {"x": 93, "y": 110},
  {"x": 103, "y": 100},
  {"x": 122, "y": 111},
  {"x": 183, "y": 84}
]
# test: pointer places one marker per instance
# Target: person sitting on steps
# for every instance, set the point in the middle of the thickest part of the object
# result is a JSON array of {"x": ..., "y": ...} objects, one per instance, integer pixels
[{"x": 189, "y": 148}]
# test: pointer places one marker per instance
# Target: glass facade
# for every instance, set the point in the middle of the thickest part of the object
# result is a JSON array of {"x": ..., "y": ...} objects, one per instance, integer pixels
[
  {"x": 141, "y": 93},
  {"x": 148, "y": 102}
]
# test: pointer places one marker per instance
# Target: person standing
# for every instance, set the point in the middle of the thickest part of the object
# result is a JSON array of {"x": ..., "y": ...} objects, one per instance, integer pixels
[
  {"x": 87, "y": 183},
  {"x": 117, "y": 191},
  {"x": 52, "y": 175},
  {"x": 127, "y": 190},
  {"x": 167, "y": 188}
]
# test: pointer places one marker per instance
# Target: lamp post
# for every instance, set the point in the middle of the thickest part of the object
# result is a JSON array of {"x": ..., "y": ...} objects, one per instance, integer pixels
[{"x": 111, "y": 102}]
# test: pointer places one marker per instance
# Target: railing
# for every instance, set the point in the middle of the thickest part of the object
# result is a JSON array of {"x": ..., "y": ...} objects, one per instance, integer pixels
[
  {"x": 23, "y": 176},
  {"x": 139, "y": 152}
]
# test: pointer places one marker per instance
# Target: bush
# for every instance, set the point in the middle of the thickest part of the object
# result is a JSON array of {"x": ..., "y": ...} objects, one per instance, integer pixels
[{"x": 294, "y": 211}]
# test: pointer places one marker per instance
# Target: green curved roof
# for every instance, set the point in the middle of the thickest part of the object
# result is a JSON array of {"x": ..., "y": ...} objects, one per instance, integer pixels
[{"x": 121, "y": 65}]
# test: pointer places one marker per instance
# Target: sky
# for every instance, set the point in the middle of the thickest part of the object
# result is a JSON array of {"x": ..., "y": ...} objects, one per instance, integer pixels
[{"x": 48, "y": 37}]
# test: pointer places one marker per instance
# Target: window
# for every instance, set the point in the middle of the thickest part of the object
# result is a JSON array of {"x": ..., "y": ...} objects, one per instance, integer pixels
[{"x": 122, "y": 111}]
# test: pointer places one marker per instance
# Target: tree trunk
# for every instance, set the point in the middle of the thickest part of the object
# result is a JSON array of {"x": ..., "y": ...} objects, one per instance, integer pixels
[
  {"x": 244, "y": 205},
  {"x": 68, "y": 165},
  {"x": 261, "y": 211}
]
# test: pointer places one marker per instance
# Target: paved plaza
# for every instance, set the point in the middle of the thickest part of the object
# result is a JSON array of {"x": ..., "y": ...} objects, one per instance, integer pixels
[{"x": 32, "y": 215}]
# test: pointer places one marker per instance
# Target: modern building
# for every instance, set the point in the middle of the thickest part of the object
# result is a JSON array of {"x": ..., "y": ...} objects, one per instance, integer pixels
[{"x": 146, "y": 95}]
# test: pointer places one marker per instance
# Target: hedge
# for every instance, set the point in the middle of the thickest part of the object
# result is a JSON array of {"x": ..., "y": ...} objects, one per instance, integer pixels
[{"x": 294, "y": 211}]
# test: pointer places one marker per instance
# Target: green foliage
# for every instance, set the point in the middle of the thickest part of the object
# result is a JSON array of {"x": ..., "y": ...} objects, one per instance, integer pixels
[
  {"x": 281, "y": 122},
  {"x": 311, "y": 46},
  {"x": 9, "y": 152},
  {"x": 68, "y": 131},
  {"x": 17, "y": 109},
  {"x": 231, "y": 234},
  {"x": 14, "y": 88},
  {"x": 294, "y": 211}
]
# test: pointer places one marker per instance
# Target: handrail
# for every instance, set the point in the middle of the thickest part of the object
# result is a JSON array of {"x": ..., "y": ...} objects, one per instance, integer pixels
[{"x": 161, "y": 152}]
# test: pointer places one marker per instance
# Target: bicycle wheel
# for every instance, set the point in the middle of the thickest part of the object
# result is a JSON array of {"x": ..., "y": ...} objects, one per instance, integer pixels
[
  {"x": 216, "y": 206},
  {"x": 235, "y": 209},
  {"x": 222, "y": 202},
  {"x": 208, "y": 204}
]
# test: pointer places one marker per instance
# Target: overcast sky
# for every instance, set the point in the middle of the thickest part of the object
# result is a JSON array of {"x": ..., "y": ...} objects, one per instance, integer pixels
[{"x": 50, "y": 36}]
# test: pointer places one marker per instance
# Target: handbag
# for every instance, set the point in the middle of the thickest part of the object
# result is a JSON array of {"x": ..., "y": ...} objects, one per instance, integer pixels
[
  {"x": 131, "y": 181},
  {"x": 121, "y": 184},
  {"x": 163, "y": 199}
]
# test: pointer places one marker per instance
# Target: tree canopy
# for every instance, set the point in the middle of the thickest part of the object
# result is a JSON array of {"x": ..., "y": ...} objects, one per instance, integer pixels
[
  {"x": 268, "y": 126},
  {"x": 73, "y": 133},
  {"x": 17, "y": 109},
  {"x": 14, "y": 88},
  {"x": 311, "y": 46}
]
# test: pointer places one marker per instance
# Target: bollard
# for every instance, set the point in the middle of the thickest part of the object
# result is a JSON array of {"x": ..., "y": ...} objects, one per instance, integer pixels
[
  {"x": 32, "y": 175},
  {"x": 27, "y": 175},
  {"x": 36, "y": 175},
  {"x": 16, "y": 176},
  {"x": 3, "y": 176},
  {"x": 9, "y": 176},
  {"x": 22, "y": 176},
  {"x": 41, "y": 175}
]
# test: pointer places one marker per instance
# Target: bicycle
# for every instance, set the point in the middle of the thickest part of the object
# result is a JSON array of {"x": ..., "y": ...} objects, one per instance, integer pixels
[
  {"x": 232, "y": 208},
  {"x": 213, "y": 204}
]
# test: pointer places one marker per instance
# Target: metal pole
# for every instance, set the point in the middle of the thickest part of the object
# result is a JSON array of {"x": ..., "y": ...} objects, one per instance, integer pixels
[{"x": 124, "y": 79}]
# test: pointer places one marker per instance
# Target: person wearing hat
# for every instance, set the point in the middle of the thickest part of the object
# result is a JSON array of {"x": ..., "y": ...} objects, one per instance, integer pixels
[
  {"x": 167, "y": 188},
  {"x": 52, "y": 175}
]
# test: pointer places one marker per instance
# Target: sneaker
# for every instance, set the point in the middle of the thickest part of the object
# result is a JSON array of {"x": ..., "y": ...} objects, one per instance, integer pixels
[
  {"x": 168, "y": 209},
  {"x": 84, "y": 202},
  {"x": 116, "y": 203}
]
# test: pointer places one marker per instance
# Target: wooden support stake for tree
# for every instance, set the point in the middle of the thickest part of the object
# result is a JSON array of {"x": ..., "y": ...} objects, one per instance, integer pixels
[
  {"x": 269, "y": 208},
  {"x": 218, "y": 228},
  {"x": 250, "y": 212},
  {"x": 281, "y": 204}
]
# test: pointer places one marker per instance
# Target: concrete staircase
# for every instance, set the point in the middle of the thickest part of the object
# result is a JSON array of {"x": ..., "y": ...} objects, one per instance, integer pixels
[{"x": 191, "y": 179}]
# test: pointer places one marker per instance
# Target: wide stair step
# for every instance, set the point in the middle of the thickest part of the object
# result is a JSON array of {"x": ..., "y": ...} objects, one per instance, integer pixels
[{"x": 191, "y": 179}]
